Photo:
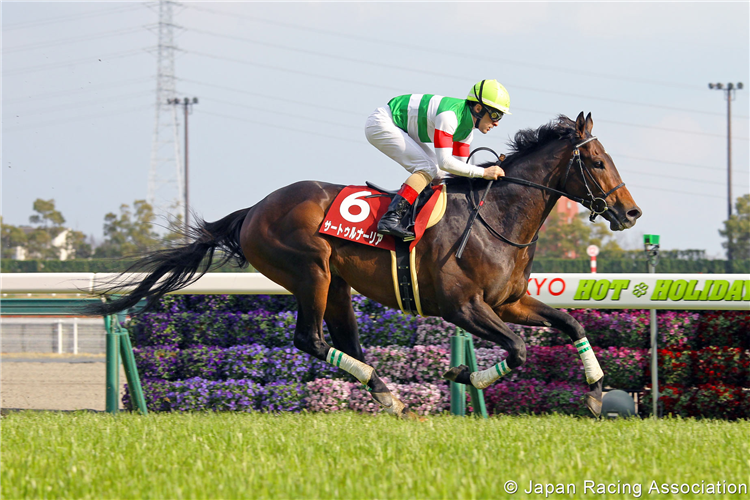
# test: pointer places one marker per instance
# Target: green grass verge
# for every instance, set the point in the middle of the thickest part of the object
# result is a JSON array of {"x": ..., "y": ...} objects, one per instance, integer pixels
[{"x": 346, "y": 455}]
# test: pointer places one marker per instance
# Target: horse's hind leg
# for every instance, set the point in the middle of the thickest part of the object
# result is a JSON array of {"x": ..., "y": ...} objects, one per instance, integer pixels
[
  {"x": 531, "y": 312},
  {"x": 342, "y": 325}
]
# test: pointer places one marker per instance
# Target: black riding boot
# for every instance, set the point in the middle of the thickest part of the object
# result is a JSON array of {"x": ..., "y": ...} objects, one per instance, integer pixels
[{"x": 392, "y": 221}]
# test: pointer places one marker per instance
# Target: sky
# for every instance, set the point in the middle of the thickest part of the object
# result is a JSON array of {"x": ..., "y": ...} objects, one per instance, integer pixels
[{"x": 284, "y": 90}]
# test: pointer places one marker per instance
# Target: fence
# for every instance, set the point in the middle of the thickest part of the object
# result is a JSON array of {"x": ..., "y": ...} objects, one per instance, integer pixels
[
  {"x": 55, "y": 335},
  {"x": 615, "y": 291}
]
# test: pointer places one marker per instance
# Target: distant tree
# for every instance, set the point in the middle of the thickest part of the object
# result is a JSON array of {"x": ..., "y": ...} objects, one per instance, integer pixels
[
  {"x": 12, "y": 237},
  {"x": 49, "y": 224},
  {"x": 46, "y": 215},
  {"x": 129, "y": 233},
  {"x": 562, "y": 239},
  {"x": 78, "y": 244},
  {"x": 737, "y": 230}
]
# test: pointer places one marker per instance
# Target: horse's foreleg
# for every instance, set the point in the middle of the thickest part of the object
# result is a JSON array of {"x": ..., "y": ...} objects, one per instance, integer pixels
[
  {"x": 478, "y": 318},
  {"x": 341, "y": 320},
  {"x": 531, "y": 312}
]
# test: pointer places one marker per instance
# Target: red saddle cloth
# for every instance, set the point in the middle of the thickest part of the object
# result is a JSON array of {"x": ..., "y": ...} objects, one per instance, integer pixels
[{"x": 355, "y": 213}]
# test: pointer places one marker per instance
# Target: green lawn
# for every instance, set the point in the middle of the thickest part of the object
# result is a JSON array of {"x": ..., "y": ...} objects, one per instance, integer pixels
[{"x": 346, "y": 455}]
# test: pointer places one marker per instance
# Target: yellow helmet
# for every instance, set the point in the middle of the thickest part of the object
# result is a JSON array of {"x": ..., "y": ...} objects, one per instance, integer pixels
[{"x": 491, "y": 94}]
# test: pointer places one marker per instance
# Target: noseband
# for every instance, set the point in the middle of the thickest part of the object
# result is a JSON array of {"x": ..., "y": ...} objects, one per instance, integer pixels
[{"x": 596, "y": 205}]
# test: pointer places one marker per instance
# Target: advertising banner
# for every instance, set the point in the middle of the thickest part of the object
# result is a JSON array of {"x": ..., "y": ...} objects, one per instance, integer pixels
[
  {"x": 642, "y": 291},
  {"x": 584, "y": 290}
]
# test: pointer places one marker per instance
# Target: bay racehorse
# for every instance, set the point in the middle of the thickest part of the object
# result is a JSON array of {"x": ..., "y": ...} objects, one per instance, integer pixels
[{"x": 479, "y": 292}]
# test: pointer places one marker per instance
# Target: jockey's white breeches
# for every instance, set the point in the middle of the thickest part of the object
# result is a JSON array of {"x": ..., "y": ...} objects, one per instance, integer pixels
[{"x": 414, "y": 156}]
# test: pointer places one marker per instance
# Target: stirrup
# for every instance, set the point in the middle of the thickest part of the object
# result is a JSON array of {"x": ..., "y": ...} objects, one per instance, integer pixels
[{"x": 398, "y": 232}]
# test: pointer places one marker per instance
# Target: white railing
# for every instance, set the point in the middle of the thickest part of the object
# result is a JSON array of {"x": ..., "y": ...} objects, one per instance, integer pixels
[{"x": 580, "y": 290}]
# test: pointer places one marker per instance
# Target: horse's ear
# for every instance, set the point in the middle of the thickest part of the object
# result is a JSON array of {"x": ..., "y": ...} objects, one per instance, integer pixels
[
  {"x": 581, "y": 125},
  {"x": 589, "y": 123}
]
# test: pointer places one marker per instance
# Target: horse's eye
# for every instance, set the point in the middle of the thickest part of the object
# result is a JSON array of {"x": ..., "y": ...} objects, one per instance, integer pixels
[{"x": 599, "y": 164}]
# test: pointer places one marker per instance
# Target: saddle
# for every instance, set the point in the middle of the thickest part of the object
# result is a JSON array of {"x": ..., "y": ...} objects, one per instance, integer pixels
[
  {"x": 355, "y": 213},
  {"x": 354, "y": 216},
  {"x": 424, "y": 197}
]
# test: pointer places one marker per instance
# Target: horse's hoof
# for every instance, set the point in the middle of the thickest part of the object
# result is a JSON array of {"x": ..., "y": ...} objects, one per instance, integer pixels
[
  {"x": 397, "y": 408},
  {"x": 459, "y": 374},
  {"x": 410, "y": 415},
  {"x": 383, "y": 398},
  {"x": 594, "y": 405}
]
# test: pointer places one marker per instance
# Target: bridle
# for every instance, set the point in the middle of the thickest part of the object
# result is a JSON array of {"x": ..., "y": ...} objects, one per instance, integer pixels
[{"x": 596, "y": 205}]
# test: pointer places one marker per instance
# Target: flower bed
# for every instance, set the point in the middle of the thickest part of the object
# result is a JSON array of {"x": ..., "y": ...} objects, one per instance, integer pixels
[{"x": 225, "y": 352}]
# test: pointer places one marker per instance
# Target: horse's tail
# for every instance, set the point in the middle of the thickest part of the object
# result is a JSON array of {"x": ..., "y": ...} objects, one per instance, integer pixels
[{"x": 174, "y": 268}]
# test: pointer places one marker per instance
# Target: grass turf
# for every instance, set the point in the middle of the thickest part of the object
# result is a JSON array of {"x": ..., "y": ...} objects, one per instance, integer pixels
[{"x": 352, "y": 456}]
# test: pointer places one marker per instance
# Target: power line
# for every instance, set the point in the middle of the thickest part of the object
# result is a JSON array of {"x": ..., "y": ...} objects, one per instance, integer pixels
[
  {"x": 427, "y": 72},
  {"x": 275, "y": 112},
  {"x": 656, "y": 160},
  {"x": 105, "y": 12},
  {"x": 332, "y": 78},
  {"x": 85, "y": 60},
  {"x": 702, "y": 181},
  {"x": 326, "y": 77},
  {"x": 462, "y": 55},
  {"x": 640, "y": 126},
  {"x": 660, "y": 189},
  {"x": 78, "y": 105},
  {"x": 55, "y": 43},
  {"x": 330, "y": 108},
  {"x": 78, "y": 118},
  {"x": 308, "y": 132},
  {"x": 282, "y": 127},
  {"x": 268, "y": 96},
  {"x": 88, "y": 89}
]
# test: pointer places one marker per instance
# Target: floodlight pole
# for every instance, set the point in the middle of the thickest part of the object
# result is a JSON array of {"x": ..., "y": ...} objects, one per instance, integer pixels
[
  {"x": 729, "y": 90},
  {"x": 651, "y": 245}
]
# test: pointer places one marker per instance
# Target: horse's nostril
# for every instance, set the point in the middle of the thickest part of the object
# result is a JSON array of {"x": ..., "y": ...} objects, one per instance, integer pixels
[{"x": 634, "y": 213}]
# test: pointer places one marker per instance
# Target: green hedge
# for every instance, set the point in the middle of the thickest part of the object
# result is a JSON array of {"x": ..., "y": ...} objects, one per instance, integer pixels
[
  {"x": 641, "y": 266},
  {"x": 540, "y": 266},
  {"x": 82, "y": 266}
]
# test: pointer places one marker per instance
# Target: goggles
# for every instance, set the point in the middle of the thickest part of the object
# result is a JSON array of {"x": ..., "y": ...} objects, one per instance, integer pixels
[{"x": 495, "y": 115}]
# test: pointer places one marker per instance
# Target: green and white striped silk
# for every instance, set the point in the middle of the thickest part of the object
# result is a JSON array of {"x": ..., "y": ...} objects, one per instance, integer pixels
[
  {"x": 419, "y": 115},
  {"x": 590, "y": 363}
]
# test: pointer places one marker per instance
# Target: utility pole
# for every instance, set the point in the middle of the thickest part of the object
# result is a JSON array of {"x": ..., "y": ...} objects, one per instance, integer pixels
[{"x": 187, "y": 106}]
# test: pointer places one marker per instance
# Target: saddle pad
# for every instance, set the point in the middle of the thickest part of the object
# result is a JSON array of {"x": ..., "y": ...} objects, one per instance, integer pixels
[{"x": 355, "y": 213}]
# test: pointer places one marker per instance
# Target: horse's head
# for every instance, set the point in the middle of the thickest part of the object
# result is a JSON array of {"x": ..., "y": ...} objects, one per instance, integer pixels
[{"x": 592, "y": 176}]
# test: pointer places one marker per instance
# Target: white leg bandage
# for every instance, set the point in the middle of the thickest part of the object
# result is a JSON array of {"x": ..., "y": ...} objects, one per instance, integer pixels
[
  {"x": 361, "y": 371},
  {"x": 590, "y": 364},
  {"x": 485, "y": 378}
]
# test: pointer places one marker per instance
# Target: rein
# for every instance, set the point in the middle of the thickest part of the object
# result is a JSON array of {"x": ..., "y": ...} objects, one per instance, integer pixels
[{"x": 596, "y": 205}]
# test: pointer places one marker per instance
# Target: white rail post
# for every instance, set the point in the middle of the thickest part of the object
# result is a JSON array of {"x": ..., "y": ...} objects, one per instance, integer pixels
[
  {"x": 75, "y": 335},
  {"x": 59, "y": 337}
]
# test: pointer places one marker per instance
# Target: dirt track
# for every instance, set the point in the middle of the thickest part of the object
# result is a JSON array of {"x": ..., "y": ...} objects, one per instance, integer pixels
[{"x": 54, "y": 382}]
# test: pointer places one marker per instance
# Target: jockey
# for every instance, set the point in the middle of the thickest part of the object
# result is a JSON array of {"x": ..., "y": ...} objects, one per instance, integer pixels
[{"x": 403, "y": 130}]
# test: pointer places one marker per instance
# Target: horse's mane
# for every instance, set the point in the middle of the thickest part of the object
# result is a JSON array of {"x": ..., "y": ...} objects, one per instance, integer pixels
[{"x": 528, "y": 140}]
